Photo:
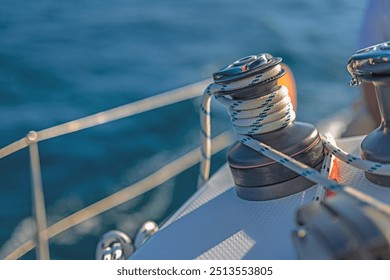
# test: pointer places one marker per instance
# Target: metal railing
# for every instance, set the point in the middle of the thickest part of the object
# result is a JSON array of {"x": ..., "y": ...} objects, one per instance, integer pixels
[{"x": 44, "y": 233}]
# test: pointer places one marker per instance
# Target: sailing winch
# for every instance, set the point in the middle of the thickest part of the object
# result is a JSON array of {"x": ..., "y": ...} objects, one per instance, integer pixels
[
  {"x": 371, "y": 65},
  {"x": 351, "y": 224},
  {"x": 261, "y": 108}
]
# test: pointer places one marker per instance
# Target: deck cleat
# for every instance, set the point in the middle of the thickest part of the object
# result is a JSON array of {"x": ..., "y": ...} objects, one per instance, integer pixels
[
  {"x": 372, "y": 65},
  {"x": 256, "y": 176}
]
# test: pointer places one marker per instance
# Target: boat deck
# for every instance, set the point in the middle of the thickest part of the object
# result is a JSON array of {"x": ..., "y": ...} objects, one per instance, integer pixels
[{"x": 216, "y": 224}]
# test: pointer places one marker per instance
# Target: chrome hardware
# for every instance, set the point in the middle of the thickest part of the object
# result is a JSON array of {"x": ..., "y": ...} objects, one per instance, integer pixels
[
  {"x": 369, "y": 63},
  {"x": 117, "y": 245},
  {"x": 248, "y": 59},
  {"x": 144, "y": 233},
  {"x": 114, "y": 245},
  {"x": 372, "y": 65},
  {"x": 246, "y": 66}
]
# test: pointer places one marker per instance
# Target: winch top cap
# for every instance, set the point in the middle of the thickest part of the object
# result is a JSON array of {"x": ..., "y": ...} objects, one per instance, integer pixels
[
  {"x": 368, "y": 63},
  {"x": 246, "y": 66}
]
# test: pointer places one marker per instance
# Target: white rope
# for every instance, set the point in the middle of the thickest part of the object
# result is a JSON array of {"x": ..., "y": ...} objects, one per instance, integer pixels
[
  {"x": 249, "y": 116},
  {"x": 262, "y": 119},
  {"x": 327, "y": 166},
  {"x": 260, "y": 115},
  {"x": 311, "y": 173},
  {"x": 366, "y": 165},
  {"x": 294, "y": 165}
]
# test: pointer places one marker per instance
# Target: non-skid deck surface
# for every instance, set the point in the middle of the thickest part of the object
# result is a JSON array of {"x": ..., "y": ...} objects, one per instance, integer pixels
[{"x": 216, "y": 224}]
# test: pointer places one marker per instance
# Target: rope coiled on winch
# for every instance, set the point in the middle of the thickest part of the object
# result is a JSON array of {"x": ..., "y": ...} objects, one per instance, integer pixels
[
  {"x": 249, "y": 116},
  {"x": 262, "y": 114},
  {"x": 265, "y": 114}
]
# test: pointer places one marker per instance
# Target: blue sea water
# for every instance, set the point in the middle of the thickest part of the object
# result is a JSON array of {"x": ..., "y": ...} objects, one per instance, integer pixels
[{"x": 61, "y": 60}]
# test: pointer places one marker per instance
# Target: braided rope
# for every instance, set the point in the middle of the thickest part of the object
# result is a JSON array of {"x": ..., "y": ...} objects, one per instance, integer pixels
[
  {"x": 296, "y": 166},
  {"x": 327, "y": 166},
  {"x": 267, "y": 118},
  {"x": 311, "y": 174},
  {"x": 268, "y": 113},
  {"x": 366, "y": 165}
]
